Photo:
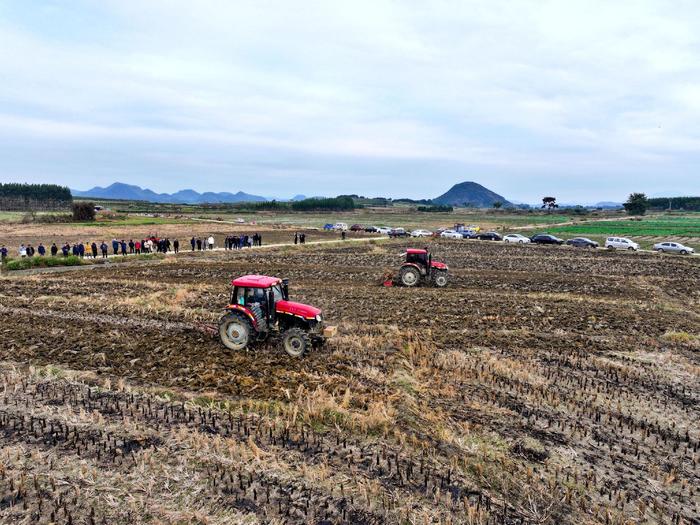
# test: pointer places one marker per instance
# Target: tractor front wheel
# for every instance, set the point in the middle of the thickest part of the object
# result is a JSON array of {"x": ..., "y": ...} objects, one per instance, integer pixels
[
  {"x": 441, "y": 279},
  {"x": 235, "y": 331},
  {"x": 409, "y": 276},
  {"x": 296, "y": 342}
]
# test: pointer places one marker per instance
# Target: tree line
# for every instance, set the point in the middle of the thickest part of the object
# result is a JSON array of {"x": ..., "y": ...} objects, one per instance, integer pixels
[
  {"x": 675, "y": 203},
  {"x": 341, "y": 203},
  {"x": 28, "y": 197}
]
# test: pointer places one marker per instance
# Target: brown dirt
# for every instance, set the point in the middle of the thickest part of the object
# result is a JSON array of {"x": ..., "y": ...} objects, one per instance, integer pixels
[{"x": 544, "y": 385}]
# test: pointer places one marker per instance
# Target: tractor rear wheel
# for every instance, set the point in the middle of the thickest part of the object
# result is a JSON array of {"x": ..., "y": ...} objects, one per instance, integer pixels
[
  {"x": 410, "y": 276},
  {"x": 441, "y": 279},
  {"x": 235, "y": 331},
  {"x": 296, "y": 342}
]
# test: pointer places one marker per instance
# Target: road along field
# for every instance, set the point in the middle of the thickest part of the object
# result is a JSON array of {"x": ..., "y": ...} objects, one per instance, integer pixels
[{"x": 543, "y": 385}]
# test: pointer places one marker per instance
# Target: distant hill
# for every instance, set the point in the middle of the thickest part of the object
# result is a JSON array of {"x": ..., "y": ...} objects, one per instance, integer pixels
[
  {"x": 472, "y": 194},
  {"x": 122, "y": 191}
]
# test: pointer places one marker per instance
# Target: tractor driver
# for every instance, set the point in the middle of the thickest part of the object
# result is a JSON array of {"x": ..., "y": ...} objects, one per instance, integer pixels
[{"x": 256, "y": 295}]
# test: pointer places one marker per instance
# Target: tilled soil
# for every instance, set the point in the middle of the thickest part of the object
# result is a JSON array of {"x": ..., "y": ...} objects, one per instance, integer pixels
[{"x": 543, "y": 385}]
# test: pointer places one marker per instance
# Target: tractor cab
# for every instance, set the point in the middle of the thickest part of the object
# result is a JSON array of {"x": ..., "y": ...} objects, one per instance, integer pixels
[
  {"x": 420, "y": 257},
  {"x": 259, "y": 291}
]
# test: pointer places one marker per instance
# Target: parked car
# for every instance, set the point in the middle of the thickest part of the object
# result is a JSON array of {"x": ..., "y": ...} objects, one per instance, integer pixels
[
  {"x": 340, "y": 226},
  {"x": 398, "y": 232},
  {"x": 582, "y": 242},
  {"x": 489, "y": 236},
  {"x": 421, "y": 233},
  {"x": 371, "y": 229},
  {"x": 546, "y": 238},
  {"x": 673, "y": 247},
  {"x": 327, "y": 226},
  {"x": 383, "y": 230},
  {"x": 357, "y": 228},
  {"x": 621, "y": 243},
  {"x": 469, "y": 234},
  {"x": 517, "y": 238},
  {"x": 451, "y": 234}
]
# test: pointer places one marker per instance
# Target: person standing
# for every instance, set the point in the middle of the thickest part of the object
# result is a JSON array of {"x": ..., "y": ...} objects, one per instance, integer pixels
[
  {"x": 81, "y": 250},
  {"x": 41, "y": 249},
  {"x": 193, "y": 241},
  {"x": 199, "y": 244},
  {"x": 104, "y": 248},
  {"x": 54, "y": 249},
  {"x": 296, "y": 238},
  {"x": 302, "y": 238},
  {"x": 176, "y": 246},
  {"x": 132, "y": 246},
  {"x": 65, "y": 249},
  {"x": 211, "y": 242},
  {"x": 30, "y": 250},
  {"x": 123, "y": 243},
  {"x": 342, "y": 235},
  {"x": 3, "y": 254},
  {"x": 115, "y": 246},
  {"x": 93, "y": 249},
  {"x": 137, "y": 247}
]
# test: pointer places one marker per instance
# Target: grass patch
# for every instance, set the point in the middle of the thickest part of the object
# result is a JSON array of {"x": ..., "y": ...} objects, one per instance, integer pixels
[
  {"x": 653, "y": 227},
  {"x": 27, "y": 263}
]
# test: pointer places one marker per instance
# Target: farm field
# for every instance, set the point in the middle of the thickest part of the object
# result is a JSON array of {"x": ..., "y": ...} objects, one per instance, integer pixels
[
  {"x": 668, "y": 226},
  {"x": 543, "y": 385}
]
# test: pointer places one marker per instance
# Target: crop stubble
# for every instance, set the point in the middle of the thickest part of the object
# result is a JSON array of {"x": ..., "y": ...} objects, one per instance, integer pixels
[{"x": 542, "y": 386}]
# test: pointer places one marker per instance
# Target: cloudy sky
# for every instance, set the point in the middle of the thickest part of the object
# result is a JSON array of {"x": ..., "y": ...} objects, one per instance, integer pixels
[{"x": 585, "y": 100}]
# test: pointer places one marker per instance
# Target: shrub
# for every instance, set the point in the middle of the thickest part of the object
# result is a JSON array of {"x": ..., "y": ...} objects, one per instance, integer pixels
[
  {"x": 83, "y": 211},
  {"x": 42, "y": 262}
]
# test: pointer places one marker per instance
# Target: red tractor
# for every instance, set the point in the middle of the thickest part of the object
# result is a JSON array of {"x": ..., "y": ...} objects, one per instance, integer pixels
[
  {"x": 260, "y": 307},
  {"x": 419, "y": 266}
]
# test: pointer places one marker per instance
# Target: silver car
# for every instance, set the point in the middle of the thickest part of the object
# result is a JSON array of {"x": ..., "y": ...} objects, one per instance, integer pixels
[{"x": 672, "y": 247}]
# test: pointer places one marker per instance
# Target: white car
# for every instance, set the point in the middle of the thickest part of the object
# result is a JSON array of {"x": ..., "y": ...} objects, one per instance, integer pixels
[
  {"x": 621, "y": 243},
  {"x": 673, "y": 247},
  {"x": 451, "y": 234},
  {"x": 421, "y": 233},
  {"x": 383, "y": 230},
  {"x": 517, "y": 238},
  {"x": 340, "y": 227}
]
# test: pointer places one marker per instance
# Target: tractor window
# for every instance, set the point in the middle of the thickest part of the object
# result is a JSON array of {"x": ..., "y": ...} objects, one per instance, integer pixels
[
  {"x": 277, "y": 291},
  {"x": 240, "y": 296},
  {"x": 415, "y": 258},
  {"x": 255, "y": 295}
]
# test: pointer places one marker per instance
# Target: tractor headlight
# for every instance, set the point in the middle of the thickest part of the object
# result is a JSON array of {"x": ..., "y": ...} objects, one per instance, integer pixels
[{"x": 319, "y": 318}]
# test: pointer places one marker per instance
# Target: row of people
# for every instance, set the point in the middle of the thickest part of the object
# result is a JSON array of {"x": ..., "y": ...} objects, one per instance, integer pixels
[{"x": 150, "y": 245}]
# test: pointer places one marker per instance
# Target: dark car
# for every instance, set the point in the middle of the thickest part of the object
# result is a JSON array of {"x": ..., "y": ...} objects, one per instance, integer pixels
[
  {"x": 398, "y": 232},
  {"x": 489, "y": 236},
  {"x": 582, "y": 242},
  {"x": 546, "y": 238},
  {"x": 370, "y": 229},
  {"x": 356, "y": 228},
  {"x": 469, "y": 234}
]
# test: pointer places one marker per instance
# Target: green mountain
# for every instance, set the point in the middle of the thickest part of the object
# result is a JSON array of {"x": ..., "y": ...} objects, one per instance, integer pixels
[{"x": 470, "y": 194}]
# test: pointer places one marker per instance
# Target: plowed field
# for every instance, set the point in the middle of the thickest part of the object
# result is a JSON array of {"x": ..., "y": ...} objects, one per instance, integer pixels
[{"x": 543, "y": 385}]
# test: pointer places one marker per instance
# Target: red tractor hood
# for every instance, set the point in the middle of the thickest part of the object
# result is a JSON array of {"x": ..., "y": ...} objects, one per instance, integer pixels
[
  {"x": 438, "y": 265},
  {"x": 290, "y": 307}
]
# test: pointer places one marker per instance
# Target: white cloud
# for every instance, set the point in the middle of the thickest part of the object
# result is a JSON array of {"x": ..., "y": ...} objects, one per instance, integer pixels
[{"x": 510, "y": 89}]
